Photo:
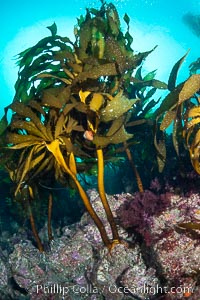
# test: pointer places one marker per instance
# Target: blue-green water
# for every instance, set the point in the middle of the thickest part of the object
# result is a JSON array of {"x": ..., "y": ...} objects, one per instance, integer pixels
[{"x": 153, "y": 22}]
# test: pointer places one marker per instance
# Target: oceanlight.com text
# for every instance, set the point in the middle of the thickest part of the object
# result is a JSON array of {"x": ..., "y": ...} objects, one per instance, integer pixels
[{"x": 90, "y": 289}]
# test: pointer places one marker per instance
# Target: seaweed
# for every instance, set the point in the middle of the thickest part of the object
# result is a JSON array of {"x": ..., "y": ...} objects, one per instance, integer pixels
[{"x": 71, "y": 104}]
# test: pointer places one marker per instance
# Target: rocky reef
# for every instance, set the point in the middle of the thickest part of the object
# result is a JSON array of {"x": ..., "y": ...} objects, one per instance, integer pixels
[{"x": 157, "y": 259}]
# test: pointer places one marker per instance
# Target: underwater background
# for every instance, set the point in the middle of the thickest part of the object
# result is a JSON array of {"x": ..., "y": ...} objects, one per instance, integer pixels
[
  {"x": 99, "y": 150},
  {"x": 173, "y": 26}
]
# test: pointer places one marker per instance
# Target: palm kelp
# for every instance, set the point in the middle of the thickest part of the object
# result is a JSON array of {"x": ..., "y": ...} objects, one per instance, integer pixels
[
  {"x": 77, "y": 103},
  {"x": 180, "y": 108},
  {"x": 72, "y": 102}
]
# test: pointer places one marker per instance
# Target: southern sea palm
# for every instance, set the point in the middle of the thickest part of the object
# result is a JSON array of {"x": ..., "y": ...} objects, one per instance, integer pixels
[{"x": 72, "y": 101}]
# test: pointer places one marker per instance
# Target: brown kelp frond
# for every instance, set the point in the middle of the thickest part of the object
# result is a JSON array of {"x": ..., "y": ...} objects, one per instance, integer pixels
[
  {"x": 116, "y": 107},
  {"x": 77, "y": 100},
  {"x": 179, "y": 110},
  {"x": 193, "y": 136},
  {"x": 56, "y": 64},
  {"x": 33, "y": 133},
  {"x": 174, "y": 72},
  {"x": 190, "y": 87}
]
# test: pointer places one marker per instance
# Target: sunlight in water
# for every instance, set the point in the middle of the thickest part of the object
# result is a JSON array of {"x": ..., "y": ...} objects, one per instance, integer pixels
[{"x": 145, "y": 27}]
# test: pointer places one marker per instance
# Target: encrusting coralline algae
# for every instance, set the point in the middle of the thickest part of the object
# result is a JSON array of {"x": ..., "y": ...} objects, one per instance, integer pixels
[{"x": 78, "y": 266}]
